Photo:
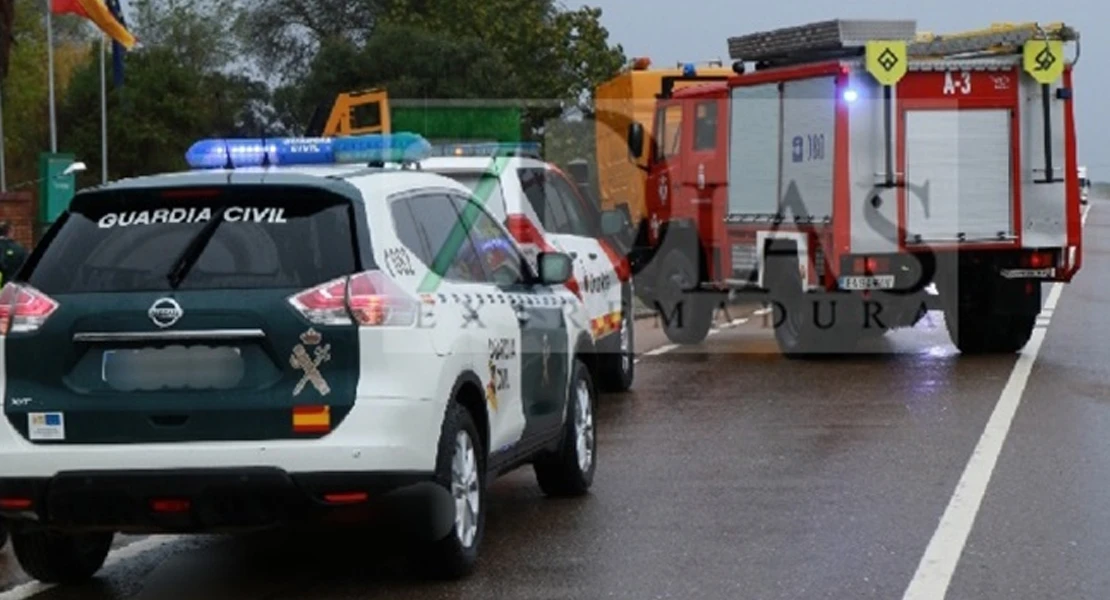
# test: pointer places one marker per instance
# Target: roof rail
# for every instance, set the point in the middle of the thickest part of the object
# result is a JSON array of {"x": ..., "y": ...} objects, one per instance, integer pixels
[
  {"x": 833, "y": 39},
  {"x": 999, "y": 38}
]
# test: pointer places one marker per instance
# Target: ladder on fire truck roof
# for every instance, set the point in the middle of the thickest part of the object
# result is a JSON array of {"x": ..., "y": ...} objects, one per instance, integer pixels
[{"x": 840, "y": 38}]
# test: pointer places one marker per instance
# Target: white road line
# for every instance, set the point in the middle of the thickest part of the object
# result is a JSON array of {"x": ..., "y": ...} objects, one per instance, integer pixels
[
  {"x": 34, "y": 588},
  {"x": 661, "y": 350},
  {"x": 942, "y": 555},
  {"x": 671, "y": 347}
]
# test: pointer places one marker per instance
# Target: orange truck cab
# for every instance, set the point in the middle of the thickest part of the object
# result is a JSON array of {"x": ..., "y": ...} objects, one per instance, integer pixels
[{"x": 856, "y": 174}]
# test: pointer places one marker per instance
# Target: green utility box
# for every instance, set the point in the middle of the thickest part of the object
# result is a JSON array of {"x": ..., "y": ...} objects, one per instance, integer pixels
[{"x": 56, "y": 189}]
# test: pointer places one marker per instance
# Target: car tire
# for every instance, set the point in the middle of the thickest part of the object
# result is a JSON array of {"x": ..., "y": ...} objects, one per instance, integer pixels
[
  {"x": 617, "y": 364},
  {"x": 569, "y": 472},
  {"x": 61, "y": 558},
  {"x": 3, "y": 536},
  {"x": 456, "y": 555}
]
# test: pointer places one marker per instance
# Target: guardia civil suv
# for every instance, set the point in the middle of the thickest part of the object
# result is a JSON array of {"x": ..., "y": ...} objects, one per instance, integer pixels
[{"x": 235, "y": 348}]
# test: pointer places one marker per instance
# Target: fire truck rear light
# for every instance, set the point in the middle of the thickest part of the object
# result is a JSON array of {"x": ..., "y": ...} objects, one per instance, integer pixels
[
  {"x": 371, "y": 298},
  {"x": 15, "y": 503},
  {"x": 23, "y": 308},
  {"x": 870, "y": 265},
  {"x": 877, "y": 265},
  {"x": 1038, "y": 260}
]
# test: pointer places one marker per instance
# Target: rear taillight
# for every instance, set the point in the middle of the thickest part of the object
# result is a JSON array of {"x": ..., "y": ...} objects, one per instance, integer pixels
[
  {"x": 1038, "y": 260},
  {"x": 15, "y": 503},
  {"x": 870, "y": 265},
  {"x": 620, "y": 263},
  {"x": 371, "y": 298},
  {"x": 529, "y": 238},
  {"x": 23, "y": 308}
]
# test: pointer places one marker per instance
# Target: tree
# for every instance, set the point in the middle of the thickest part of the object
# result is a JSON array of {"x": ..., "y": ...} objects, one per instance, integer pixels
[
  {"x": 556, "y": 54},
  {"x": 284, "y": 36},
  {"x": 408, "y": 61},
  {"x": 26, "y": 119},
  {"x": 176, "y": 91},
  {"x": 532, "y": 50}
]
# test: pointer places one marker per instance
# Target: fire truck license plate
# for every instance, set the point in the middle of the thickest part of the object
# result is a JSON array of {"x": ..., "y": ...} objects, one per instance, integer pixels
[{"x": 867, "y": 282}]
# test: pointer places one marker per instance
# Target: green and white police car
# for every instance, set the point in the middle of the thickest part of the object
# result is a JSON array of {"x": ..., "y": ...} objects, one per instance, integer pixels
[
  {"x": 241, "y": 347},
  {"x": 545, "y": 212}
]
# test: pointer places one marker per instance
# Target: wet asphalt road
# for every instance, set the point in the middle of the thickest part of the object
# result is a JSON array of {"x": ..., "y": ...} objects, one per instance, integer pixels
[{"x": 731, "y": 472}]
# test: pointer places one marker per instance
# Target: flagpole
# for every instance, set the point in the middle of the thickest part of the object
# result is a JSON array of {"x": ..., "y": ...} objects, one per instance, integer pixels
[
  {"x": 3, "y": 166},
  {"x": 50, "y": 76},
  {"x": 103, "y": 113}
]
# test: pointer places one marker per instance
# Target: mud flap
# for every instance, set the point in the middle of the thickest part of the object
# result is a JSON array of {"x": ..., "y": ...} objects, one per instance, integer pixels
[
  {"x": 1016, "y": 296},
  {"x": 423, "y": 512}
]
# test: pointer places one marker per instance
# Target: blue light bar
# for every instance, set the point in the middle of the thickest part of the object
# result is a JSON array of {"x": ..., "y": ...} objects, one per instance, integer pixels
[
  {"x": 388, "y": 147},
  {"x": 213, "y": 153},
  {"x": 250, "y": 152},
  {"x": 486, "y": 149},
  {"x": 690, "y": 70}
]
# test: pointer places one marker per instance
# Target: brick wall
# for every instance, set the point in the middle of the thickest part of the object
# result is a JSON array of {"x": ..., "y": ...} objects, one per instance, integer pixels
[{"x": 18, "y": 209}]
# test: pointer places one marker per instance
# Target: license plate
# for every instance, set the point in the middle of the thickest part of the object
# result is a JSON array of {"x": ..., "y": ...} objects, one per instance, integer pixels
[
  {"x": 867, "y": 282},
  {"x": 1028, "y": 273},
  {"x": 175, "y": 367}
]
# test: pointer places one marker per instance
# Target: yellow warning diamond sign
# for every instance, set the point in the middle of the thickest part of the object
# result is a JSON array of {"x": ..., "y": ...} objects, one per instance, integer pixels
[
  {"x": 1044, "y": 60},
  {"x": 886, "y": 60}
]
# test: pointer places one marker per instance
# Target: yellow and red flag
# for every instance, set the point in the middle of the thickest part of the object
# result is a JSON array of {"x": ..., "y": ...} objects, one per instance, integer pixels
[
  {"x": 100, "y": 14},
  {"x": 311, "y": 419}
]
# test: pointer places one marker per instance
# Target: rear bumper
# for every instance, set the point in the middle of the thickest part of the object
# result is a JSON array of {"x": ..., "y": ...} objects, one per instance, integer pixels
[
  {"x": 380, "y": 434},
  {"x": 225, "y": 500}
]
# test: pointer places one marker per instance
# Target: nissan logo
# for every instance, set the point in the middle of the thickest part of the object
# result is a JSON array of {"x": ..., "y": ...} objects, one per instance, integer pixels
[{"x": 165, "y": 312}]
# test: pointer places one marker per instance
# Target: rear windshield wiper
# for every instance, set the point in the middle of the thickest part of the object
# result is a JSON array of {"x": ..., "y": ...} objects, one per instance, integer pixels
[{"x": 189, "y": 257}]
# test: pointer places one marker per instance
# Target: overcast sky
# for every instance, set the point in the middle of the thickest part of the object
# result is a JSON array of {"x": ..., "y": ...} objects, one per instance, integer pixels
[{"x": 696, "y": 30}]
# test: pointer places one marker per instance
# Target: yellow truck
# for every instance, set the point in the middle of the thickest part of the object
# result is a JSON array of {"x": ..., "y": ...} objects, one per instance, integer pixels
[{"x": 628, "y": 98}]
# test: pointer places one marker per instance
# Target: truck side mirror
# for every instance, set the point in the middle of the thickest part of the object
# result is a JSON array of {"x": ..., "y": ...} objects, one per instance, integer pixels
[
  {"x": 616, "y": 223},
  {"x": 635, "y": 140}
]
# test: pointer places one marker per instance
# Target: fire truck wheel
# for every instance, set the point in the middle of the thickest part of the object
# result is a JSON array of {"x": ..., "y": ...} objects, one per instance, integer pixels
[
  {"x": 973, "y": 322},
  {"x": 806, "y": 325},
  {"x": 982, "y": 332},
  {"x": 687, "y": 314},
  {"x": 617, "y": 362}
]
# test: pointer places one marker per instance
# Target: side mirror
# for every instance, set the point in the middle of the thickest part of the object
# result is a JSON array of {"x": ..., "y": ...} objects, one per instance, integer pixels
[
  {"x": 615, "y": 221},
  {"x": 635, "y": 140},
  {"x": 555, "y": 268}
]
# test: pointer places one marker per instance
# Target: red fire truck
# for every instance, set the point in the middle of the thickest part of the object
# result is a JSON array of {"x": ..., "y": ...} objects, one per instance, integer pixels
[{"x": 856, "y": 164}]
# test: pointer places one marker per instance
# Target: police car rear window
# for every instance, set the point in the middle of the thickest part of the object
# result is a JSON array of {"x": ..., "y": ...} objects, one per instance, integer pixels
[{"x": 129, "y": 241}]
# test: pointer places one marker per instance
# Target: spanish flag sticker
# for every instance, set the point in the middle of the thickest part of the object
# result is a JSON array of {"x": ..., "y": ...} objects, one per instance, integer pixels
[{"x": 311, "y": 419}]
